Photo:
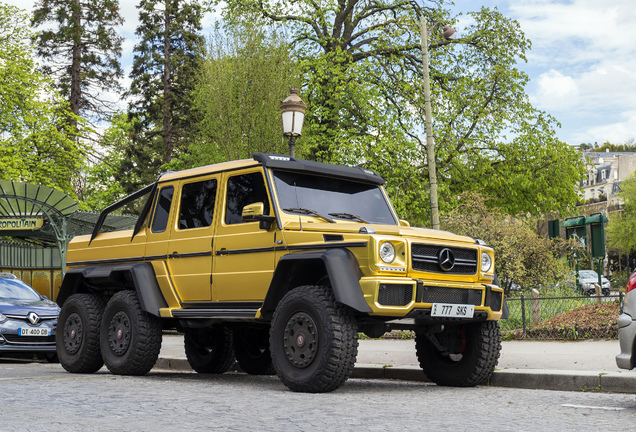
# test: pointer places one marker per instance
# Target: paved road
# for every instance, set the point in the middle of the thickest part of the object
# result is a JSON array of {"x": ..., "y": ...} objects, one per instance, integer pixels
[{"x": 40, "y": 396}]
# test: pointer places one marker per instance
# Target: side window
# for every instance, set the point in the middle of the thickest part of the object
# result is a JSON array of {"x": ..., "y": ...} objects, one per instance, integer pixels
[
  {"x": 162, "y": 210},
  {"x": 243, "y": 190},
  {"x": 197, "y": 204}
]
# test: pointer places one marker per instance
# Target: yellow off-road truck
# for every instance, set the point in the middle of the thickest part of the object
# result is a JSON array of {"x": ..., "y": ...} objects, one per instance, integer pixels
[{"x": 277, "y": 263}]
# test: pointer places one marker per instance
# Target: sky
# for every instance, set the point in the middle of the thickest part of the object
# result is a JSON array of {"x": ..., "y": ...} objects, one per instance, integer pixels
[{"x": 582, "y": 65}]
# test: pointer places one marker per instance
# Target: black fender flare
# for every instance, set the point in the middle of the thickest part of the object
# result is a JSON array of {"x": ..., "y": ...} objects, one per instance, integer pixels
[
  {"x": 340, "y": 265},
  {"x": 140, "y": 276}
]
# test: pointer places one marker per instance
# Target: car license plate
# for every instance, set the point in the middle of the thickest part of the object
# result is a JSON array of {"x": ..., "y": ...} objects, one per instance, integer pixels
[
  {"x": 33, "y": 331},
  {"x": 450, "y": 310}
]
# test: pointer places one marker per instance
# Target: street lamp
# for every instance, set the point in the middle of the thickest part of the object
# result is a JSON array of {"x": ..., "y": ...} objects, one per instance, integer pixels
[
  {"x": 430, "y": 143},
  {"x": 292, "y": 110}
]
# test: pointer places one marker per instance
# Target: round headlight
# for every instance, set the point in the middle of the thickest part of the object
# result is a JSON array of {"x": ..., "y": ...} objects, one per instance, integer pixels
[
  {"x": 387, "y": 252},
  {"x": 486, "y": 262}
]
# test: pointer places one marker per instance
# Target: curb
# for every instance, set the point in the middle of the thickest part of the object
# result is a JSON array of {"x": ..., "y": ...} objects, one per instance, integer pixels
[{"x": 535, "y": 379}]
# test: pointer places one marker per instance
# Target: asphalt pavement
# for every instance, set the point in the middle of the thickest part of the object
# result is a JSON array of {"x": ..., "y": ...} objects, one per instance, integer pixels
[{"x": 587, "y": 365}]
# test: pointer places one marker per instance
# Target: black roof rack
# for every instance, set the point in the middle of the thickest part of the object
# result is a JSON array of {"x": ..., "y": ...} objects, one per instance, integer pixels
[{"x": 293, "y": 164}]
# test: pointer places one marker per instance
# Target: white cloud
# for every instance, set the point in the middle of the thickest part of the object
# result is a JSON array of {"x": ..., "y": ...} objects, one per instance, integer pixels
[
  {"x": 582, "y": 64},
  {"x": 556, "y": 91},
  {"x": 617, "y": 132}
]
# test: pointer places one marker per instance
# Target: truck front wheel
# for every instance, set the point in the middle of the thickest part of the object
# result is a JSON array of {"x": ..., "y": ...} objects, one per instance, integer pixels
[
  {"x": 313, "y": 340},
  {"x": 461, "y": 355}
]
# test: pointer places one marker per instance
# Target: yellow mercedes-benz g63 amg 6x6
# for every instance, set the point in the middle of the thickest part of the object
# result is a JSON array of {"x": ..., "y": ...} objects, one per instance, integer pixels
[{"x": 278, "y": 263}]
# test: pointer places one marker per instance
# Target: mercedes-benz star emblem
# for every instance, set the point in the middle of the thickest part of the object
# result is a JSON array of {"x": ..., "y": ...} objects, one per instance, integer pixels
[
  {"x": 33, "y": 318},
  {"x": 446, "y": 259}
]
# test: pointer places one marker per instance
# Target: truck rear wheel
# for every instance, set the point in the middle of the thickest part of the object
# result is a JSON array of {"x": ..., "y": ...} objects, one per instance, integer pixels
[
  {"x": 209, "y": 350},
  {"x": 472, "y": 354},
  {"x": 251, "y": 347},
  {"x": 130, "y": 337},
  {"x": 77, "y": 340},
  {"x": 313, "y": 340}
]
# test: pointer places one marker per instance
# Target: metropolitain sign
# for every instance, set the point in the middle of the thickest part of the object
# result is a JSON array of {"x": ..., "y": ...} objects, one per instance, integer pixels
[{"x": 16, "y": 224}]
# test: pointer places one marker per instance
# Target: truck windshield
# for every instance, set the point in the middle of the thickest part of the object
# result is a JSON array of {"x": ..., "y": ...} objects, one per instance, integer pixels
[{"x": 339, "y": 198}]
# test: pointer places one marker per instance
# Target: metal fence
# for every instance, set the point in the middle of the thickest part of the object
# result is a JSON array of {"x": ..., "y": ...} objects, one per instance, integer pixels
[{"x": 565, "y": 318}]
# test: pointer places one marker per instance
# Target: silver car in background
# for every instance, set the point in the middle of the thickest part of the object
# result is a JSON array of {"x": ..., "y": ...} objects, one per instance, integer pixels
[
  {"x": 587, "y": 279},
  {"x": 627, "y": 326}
]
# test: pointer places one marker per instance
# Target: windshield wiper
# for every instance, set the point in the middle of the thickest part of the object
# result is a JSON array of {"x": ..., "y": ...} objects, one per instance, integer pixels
[
  {"x": 348, "y": 216},
  {"x": 307, "y": 211}
]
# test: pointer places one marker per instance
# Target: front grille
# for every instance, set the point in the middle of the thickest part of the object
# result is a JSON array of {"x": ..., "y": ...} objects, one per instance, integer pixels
[
  {"x": 433, "y": 294},
  {"x": 395, "y": 294},
  {"x": 28, "y": 340},
  {"x": 425, "y": 257}
]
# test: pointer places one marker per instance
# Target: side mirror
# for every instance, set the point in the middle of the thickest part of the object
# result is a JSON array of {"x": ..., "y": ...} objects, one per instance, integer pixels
[
  {"x": 404, "y": 223},
  {"x": 254, "y": 212}
]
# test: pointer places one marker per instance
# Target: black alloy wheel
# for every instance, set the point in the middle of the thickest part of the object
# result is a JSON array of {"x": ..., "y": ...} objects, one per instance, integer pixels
[{"x": 313, "y": 340}]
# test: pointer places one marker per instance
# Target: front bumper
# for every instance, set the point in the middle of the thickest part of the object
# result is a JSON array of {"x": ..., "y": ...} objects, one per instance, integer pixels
[
  {"x": 411, "y": 298},
  {"x": 10, "y": 341},
  {"x": 626, "y": 337}
]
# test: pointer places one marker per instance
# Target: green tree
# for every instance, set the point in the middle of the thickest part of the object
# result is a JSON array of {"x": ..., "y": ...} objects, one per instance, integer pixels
[
  {"x": 628, "y": 146},
  {"x": 81, "y": 48},
  {"x": 621, "y": 230},
  {"x": 102, "y": 182},
  {"x": 37, "y": 145},
  {"x": 361, "y": 63},
  {"x": 165, "y": 64},
  {"x": 521, "y": 256},
  {"x": 246, "y": 73}
]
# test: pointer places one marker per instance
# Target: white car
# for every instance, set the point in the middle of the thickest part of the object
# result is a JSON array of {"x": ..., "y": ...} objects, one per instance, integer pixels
[{"x": 587, "y": 279}]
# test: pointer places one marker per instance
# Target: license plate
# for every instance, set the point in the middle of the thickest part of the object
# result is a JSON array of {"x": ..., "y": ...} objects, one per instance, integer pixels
[
  {"x": 450, "y": 310},
  {"x": 32, "y": 331}
]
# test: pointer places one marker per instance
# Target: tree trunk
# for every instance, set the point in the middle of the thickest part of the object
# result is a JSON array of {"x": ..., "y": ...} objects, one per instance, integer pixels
[
  {"x": 167, "y": 120},
  {"x": 76, "y": 90}
]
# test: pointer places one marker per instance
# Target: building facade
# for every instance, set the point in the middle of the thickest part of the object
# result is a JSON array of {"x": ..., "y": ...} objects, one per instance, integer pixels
[{"x": 605, "y": 172}]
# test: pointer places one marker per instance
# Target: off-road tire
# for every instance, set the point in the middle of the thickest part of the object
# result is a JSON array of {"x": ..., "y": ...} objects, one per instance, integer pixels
[
  {"x": 313, "y": 340},
  {"x": 77, "y": 341},
  {"x": 209, "y": 351},
  {"x": 481, "y": 344},
  {"x": 251, "y": 348},
  {"x": 130, "y": 338}
]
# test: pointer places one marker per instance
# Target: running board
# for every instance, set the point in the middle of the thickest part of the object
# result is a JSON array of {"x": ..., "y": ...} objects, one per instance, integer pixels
[{"x": 206, "y": 313}]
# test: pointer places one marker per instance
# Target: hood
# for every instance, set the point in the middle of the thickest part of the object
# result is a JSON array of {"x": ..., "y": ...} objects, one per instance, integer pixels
[
  {"x": 23, "y": 307},
  {"x": 395, "y": 230}
]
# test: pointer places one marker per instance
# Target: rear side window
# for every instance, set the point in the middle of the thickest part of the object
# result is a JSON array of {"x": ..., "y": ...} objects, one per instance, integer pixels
[
  {"x": 197, "y": 204},
  {"x": 243, "y": 190},
  {"x": 162, "y": 210}
]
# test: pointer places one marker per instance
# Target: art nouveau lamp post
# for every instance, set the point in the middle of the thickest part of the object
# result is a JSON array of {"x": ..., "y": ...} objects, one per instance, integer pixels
[{"x": 292, "y": 110}]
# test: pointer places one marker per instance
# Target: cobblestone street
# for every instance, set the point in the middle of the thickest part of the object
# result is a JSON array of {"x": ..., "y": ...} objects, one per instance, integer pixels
[{"x": 43, "y": 397}]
